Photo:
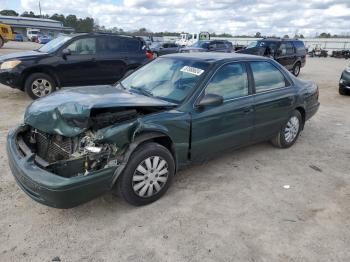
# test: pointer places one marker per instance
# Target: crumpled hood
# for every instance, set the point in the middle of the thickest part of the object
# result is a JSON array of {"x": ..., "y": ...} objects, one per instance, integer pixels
[
  {"x": 67, "y": 112},
  {"x": 21, "y": 55}
]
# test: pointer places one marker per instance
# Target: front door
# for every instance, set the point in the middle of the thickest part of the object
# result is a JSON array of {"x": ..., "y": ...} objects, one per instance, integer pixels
[
  {"x": 215, "y": 128},
  {"x": 79, "y": 67},
  {"x": 273, "y": 101}
]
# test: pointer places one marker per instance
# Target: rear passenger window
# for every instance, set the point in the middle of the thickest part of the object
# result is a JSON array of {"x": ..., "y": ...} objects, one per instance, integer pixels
[
  {"x": 132, "y": 45},
  {"x": 299, "y": 45},
  {"x": 266, "y": 76},
  {"x": 84, "y": 46},
  {"x": 230, "y": 81}
]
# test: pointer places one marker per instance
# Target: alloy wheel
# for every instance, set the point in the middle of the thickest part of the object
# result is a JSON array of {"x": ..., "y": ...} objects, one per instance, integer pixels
[
  {"x": 292, "y": 129},
  {"x": 41, "y": 87},
  {"x": 150, "y": 176}
]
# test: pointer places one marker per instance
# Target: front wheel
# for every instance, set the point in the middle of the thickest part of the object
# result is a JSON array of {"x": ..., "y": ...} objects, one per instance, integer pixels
[
  {"x": 39, "y": 85},
  {"x": 296, "y": 69},
  {"x": 148, "y": 174},
  {"x": 342, "y": 91},
  {"x": 289, "y": 132}
]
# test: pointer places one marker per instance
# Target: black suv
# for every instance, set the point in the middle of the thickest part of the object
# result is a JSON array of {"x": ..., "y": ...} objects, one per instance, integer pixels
[
  {"x": 209, "y": 46},
  {"x": 290, "y": 53},
  {"x": 73, "y": 60}
]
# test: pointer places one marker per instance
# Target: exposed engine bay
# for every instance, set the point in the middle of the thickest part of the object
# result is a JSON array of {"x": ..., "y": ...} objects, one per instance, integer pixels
[{"x": 79, "y": 155}]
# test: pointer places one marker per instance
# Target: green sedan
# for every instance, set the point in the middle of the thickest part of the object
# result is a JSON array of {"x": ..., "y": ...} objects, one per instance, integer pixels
[{"x": 133, "y": 136}]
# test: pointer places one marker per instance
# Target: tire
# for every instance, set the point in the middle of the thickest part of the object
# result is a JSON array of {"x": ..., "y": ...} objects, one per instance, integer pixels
[
  {"x": 342, "y": 91},
  {"x": 44, "y": 83},
  {"x": 134, "y": 186},
  {"x": 282, "y": 140},
  {"x": 1, "y": 42},
  {"x": 296, "y": 69}
]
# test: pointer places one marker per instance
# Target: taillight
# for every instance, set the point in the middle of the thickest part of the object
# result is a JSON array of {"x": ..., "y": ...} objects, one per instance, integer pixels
[{"x": 149, "y": 54}]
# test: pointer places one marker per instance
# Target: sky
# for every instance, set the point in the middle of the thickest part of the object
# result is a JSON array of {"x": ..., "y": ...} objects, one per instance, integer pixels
[{"x": 270, "y": 17}]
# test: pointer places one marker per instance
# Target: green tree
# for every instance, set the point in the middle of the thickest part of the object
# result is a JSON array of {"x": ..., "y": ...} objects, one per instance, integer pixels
[
  {"x": 257, "y": 35},
  {"x": 8, "y": 12},
  {"x": 286, "y": 36}
]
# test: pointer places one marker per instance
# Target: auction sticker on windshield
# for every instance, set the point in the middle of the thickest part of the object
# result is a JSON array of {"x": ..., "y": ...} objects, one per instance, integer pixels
[{"x": 192, "y": 70}]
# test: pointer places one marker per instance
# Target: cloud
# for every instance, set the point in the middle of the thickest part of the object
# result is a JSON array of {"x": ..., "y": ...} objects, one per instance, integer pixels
[{"x": 230, "y": 16}]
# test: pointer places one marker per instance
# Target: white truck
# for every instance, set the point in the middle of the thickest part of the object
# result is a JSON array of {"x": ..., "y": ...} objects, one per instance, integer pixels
[
  {"x": 187, "y": 39},
  {"x": 33, "y": 34}
]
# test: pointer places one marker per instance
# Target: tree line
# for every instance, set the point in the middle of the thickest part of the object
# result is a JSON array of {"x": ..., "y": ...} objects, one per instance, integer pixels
[{"x": 88, "y": 24}]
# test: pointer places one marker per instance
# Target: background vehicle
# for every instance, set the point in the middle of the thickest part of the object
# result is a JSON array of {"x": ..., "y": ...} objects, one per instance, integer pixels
[
  {"x": 209, "y": 46},
  {"x": 176, "y": 110},
  {"x": 43, "y": 39},
  {"x": 18, "y": 37},
  {"x": 318, "y": 52},
  {"x": 187, "y": 39},
  {"x": 341, "y": 54},
  {"x": 344, "y": 82},
  {"x": 6, "y": 34},
  {"x": 33, "y": 34},
  {"x": 159, "y": 49},
  {"x": 70, "y": 60},
  {"x": 290, "y": 53}
]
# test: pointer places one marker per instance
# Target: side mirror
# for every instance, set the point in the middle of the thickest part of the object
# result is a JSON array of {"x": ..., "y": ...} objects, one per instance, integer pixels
[
  {"x": 210, "y": 100},
  {"x": 66, "y": 52}
]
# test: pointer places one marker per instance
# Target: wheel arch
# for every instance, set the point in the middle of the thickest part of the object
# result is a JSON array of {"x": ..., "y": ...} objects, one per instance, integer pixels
[
  {"x": 141, "y": 138},
  {"x": 302, "y": 111},
  {"x": 41, "y": 69}
]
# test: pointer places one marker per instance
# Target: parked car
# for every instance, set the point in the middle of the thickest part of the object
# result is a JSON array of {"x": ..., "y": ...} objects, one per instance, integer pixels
[
  {"x": 70, "y": 60},
  {"x": 133, "y": 136},
  {"x": 290, "y": 53},
  {"x": 344, "y": 82},
  {"x": 318, "y": 52},
  {"x": 19, "y": 37},
  {"x": 159, "y": 49},
  {"x": 43, "y": 39},
  {"x": 341, "y": 53},
  {"x": 209, "y": 46}
]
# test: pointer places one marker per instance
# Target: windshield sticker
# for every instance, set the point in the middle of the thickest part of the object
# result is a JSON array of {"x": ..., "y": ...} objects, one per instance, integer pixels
[{"x": 192, "y": 70}]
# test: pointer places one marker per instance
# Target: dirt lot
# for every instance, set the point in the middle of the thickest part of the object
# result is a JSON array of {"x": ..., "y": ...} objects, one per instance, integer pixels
[{"x": 234, "y": 208}]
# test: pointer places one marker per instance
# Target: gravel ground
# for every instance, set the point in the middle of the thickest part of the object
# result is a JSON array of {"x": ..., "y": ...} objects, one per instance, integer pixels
[{"x": 233, "y": 208}]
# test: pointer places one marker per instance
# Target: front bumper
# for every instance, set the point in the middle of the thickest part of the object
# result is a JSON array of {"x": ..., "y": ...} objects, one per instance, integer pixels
[
  {"x": 50, "y": 189},
  {"x": 12, "y": 78}
]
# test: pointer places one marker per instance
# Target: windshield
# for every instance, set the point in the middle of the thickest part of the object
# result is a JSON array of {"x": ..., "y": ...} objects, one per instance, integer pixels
[
  {"x": 54, "y": 44},
  {"x": 201, "y": 44},
  {"x": 166, "y": 78}
]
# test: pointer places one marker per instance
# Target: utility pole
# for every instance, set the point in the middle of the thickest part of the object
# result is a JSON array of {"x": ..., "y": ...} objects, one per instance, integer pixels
[{"x": 40, "y": 9}]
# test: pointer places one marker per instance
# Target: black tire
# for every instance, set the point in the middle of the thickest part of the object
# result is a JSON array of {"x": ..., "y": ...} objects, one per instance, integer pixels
[
  {"x": 125, "y": 185},
  {"x": 1, "y": 42},
  {"x": 280, "y": 139},
  {"x": 39, "y": 77},
  {"x": 296, "y": 69},
  {"x": 342, "y": 91}
]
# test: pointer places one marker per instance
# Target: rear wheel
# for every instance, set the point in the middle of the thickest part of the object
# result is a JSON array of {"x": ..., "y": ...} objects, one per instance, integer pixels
[
  {"x": 148, "y": 174},
  {"x": 296, "y": 69},
  {"x": 1, "y": 42},
  {"x": 289, "y": 132},
  {"x": 39, "y": 85}
]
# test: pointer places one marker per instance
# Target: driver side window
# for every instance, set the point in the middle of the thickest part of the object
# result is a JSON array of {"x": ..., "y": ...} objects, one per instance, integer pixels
[
  {"x": 230, "y": 81},
  {"x": 85, "y": 46}
]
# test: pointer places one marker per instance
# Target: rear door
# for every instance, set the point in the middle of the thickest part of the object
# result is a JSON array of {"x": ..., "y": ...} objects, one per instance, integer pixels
[
  {"x": 112, "y": 59},
  {"x": 215, "y": 128},
  {"x": 80, "y": 67},
  {"x": 286, "y": 54},
  {"x": 274, "y": 99}
]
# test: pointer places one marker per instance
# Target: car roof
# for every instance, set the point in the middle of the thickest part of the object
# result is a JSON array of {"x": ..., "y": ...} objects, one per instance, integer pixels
[{"x": 214, "y": 57}]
